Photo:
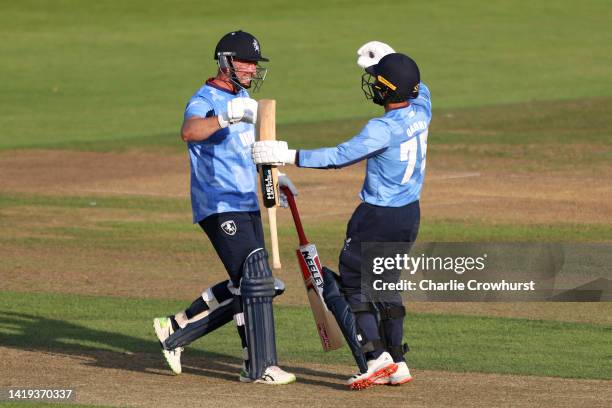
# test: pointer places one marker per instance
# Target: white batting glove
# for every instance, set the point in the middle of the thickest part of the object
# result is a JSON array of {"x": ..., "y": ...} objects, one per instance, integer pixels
[
  {"x": 239, "y": 110},
  {"x": 371, "y": 52},
  {"x": 274, "y": 152},
  {"x": 283, "y": 181}
]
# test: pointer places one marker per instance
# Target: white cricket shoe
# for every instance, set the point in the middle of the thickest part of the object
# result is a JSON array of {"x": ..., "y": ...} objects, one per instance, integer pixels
[
  {"x": 401, "y": 376},
  {"x": 163, "y": 330},
  {"x": 273, "y": 375},
  {"x": 378, "y": 368}
]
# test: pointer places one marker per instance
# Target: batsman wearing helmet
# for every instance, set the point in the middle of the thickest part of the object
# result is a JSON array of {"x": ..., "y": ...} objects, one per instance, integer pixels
[
  {"x": 394, "y": 146},
  {"x": 218, "y": 128}
]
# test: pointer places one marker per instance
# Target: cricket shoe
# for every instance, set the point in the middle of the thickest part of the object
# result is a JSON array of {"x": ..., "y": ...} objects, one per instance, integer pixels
[
  {"x": 273, "y": 375},
  {"x": 401, "y": 376},
  {"x": 378, "y": 368},
  {"x": 163, "y": 330}
]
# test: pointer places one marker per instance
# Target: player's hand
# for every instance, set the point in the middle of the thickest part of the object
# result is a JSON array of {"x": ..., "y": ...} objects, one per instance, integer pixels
[
  {"x": 283, "y": 181},
  {"x": 371, "y": 52},
  {"x": 273, "y": 152},
  {"x": 239, "y": 110}
]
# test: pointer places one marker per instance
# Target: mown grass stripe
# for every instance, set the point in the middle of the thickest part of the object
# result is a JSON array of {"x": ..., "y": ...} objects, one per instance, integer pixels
[
  {"x": 85, "y": 324},
  {"x": 545, "y": 122},
  {"x": 321, "y": 230}
]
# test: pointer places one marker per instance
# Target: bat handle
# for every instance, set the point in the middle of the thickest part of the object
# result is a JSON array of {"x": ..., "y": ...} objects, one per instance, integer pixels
[
  {"x": 276, "y": 263},
  {"x": 268, "y": 187},
  {"x": 295, "y": 214}
]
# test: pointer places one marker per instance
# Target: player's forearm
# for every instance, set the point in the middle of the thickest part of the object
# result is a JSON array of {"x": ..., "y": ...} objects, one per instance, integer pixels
[
  {"x": 324, "y": 158},
  {"x": 198, "y": 129},
  {"x": 275, "y": 152},
  {"x": 333, "y": 157}
]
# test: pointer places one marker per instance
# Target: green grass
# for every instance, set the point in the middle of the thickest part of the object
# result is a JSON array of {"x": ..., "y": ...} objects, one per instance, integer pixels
[
  {"x": 507, "y": 78},
  {"x": 82, "y": 325},
  {"x": 108, "y": 71},
  {"x": 146, "y": 204},
  {"x": 163, "y": 226},
  {"x": 456, "y": 231},
  {"x": 551, "y": 123},
  {"x": 83, "y": 223}
]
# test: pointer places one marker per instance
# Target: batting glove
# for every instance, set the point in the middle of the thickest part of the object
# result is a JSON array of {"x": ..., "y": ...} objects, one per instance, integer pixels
[
  {"x": 283, "y": 181},
  {"x": 371, "y": 52},
  {"x": 273, "y": 152},
  {"x": 239, "y": 110}
]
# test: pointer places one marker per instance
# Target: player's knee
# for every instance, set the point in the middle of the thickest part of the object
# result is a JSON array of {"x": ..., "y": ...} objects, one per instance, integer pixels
[
  {"x": 257, "y": 280},
  {"x": 389, "y": 311}
]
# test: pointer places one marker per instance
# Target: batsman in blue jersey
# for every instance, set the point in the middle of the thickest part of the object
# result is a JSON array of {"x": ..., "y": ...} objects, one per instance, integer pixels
[
  {"x": 218, "y": 127},
  {"x": 394, "y": 147}
]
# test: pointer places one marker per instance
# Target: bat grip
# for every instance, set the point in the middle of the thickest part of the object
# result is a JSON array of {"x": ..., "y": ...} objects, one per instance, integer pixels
[
  {"x": 268, "y": 187},
  {"x": 295, "y": 214}
]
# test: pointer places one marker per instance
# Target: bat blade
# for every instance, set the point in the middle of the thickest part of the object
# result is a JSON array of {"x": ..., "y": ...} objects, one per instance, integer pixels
[
  {"x": 312, "y": 274},
  {"x": 266, "y": 130},
  {"x": 311, "y": 268},
  {"x": 327, "y": 327}
]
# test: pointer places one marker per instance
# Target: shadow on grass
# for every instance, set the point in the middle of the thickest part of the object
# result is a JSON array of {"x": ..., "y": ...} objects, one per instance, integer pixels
[{"x": 107, "y": 349}]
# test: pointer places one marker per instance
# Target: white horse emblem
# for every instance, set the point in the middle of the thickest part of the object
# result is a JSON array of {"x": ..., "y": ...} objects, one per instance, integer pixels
[{"x": 229, "y": 227}]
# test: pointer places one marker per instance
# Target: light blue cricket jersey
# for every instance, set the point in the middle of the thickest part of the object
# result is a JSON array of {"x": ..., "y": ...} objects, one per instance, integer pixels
[
  {"x": 394, "y": 145},
  {"x": 223, "y": 176}
]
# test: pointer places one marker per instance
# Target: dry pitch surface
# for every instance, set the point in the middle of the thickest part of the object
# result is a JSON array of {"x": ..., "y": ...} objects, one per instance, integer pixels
[{"x": 497, "y": 189}]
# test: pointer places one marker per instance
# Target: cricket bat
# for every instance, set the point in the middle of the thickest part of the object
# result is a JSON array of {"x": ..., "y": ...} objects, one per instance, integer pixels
[
  {"x": 308, "y": 258},
  {"x": 266, "y": 119}
]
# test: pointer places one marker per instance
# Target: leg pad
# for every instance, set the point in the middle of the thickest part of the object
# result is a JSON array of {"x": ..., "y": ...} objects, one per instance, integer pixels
[{"x": 257, "y": 291}]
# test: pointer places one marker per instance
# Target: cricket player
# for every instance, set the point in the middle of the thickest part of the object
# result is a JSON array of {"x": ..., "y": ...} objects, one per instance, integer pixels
[
  {"x": 218, "y": 128},
  {"x": 394, "y": 146}
]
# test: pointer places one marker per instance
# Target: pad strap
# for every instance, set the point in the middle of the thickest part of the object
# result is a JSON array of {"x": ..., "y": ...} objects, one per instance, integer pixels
[
  {"x": 397, "y": 352},
  {"x": 372, "y": 345},
  {"x": 392, "y": 312},
  {"x": 363, "y": 308},
  {"x": 196, "y": 329}
]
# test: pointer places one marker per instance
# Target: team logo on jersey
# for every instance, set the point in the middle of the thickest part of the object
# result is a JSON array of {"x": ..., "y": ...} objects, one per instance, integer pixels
[
  {"x": 255, "y": 45},
  {"x": 229, "y": 227}
]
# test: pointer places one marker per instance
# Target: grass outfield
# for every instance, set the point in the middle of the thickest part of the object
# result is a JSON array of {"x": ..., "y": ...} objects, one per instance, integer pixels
[
  {"x": 75, "y": 71},
  {"x": 542, "y": 123},
  {"x": 146, "y": 232},
  {"x": 521, "y": 93},
  {"x": 82, "y": 325}
]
